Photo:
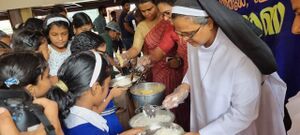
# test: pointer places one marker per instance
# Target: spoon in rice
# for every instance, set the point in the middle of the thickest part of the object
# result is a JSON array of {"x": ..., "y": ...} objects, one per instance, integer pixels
[{"x": 150, "y": 110}]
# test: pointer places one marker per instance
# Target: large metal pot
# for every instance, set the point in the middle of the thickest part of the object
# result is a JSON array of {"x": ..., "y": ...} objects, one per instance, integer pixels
[{"x": 147, "y": 93}]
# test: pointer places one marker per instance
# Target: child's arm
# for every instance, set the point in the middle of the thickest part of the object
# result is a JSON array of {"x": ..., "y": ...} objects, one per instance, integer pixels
[{"x": 115, "y": 92}]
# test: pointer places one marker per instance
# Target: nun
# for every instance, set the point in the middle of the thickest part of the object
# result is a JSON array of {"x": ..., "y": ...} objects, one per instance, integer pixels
[{"x": 230, "y": 75}]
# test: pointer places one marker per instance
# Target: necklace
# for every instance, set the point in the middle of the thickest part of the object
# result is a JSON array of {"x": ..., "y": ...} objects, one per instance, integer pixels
[{"x": 209, "y": 64}]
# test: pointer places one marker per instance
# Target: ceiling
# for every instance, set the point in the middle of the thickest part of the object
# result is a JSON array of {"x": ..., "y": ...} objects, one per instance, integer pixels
[{"x": 70, "y": 6}]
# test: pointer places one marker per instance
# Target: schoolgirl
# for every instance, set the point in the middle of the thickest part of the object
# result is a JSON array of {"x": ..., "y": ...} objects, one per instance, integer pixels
[
  {"x": 81, "y": 22},
  {"x": 58, "y": 32},
  {"x": 82, "y": 92},
  {"x": 90, "y": 41},
  {"x": 29, "y": 71},
  {"x": 28, "y": 40}
]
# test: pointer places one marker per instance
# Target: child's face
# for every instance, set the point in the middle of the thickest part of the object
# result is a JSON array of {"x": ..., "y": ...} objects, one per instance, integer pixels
[
  {"x": 43, "y": 84},
  {"x": 103, "y": 91},
  {"x": 84, "y": 28},
  {"x": 59, "y": 36},
  {"x": 296, "y": 24}
]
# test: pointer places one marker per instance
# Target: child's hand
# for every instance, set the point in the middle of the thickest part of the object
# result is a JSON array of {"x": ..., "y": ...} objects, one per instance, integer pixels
[
  {"x": 50, "y": 107},
  {"x": 133, "y": 131},
  {"x": 51, "y": 112},
  {"x": 117, "y": 91},
  {"x": 7, "y": 125}
]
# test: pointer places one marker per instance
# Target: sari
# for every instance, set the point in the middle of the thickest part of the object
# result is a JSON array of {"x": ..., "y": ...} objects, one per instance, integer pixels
[
  {"x": 171, "y": 40},
  {"x": 160, "y": 71}
]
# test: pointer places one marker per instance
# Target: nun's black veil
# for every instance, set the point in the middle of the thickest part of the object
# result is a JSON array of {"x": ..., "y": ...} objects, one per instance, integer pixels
[{"x": 242, "y": 33}]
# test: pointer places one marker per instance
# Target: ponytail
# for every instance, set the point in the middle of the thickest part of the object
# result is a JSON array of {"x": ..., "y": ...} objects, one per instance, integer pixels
[
  {"x": 75, "y": 75},
  {"x": 65, "y": 100}
]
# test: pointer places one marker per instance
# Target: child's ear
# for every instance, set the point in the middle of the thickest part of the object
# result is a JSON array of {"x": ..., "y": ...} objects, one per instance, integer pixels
[
  {"x": 96, "y": 88},
  {"x": 31, "y": 89},
  {"x": 210, "y": 23}
]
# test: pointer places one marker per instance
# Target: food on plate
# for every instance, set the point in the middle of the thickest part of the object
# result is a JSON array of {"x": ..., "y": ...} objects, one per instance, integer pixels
[
  {"x": 143, "y": 120},
  {"x": 124, "y": 82},
  {"x": 147, "y": 92},
  {"x": 168, "y": 131}
]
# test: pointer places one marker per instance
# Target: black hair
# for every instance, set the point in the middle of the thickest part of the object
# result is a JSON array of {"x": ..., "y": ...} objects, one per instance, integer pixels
[
  {"x": 123, "y": 2},
  {"x": 86, "y": 41},
  {"x": 25, "y": 39},
  {"x": 76, "y": 72},
  {"x": 80, "y": 19},
  {"x": 100, "y": 10},
  {"x": 24, "y": 66},
  {"x": 57, "y": 23},
  {"x": 34, "y": 24},
  {"x": 138, "y": 16},
  {"x": 170, "y": 2},
  {"x": 57, "y": 9},
  {"x": 113, "y": 13},
  {"x": 138, "y": 2}
]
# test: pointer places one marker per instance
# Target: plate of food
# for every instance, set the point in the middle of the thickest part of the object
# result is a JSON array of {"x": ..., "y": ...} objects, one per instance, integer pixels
[
  {"x": 123, "y": 81},
  {"x": 142, "y": 120}
]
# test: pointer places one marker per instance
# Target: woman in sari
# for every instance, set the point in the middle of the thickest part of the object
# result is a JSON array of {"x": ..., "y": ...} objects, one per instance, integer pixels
[
  {"x": 171, "y": 40},
  {"x": 147, "y": 38}
]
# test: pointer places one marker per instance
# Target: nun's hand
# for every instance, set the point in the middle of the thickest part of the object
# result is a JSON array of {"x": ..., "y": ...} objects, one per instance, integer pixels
[{"x": 177, "y": 97}]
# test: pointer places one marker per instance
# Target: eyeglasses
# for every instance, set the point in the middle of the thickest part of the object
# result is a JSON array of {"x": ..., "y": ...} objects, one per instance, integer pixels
[
  {"x": 166, "y": 13},
  {"x": 189, "y": 35}
]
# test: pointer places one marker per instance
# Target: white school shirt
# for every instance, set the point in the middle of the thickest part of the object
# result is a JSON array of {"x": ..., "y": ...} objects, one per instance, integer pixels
[
  {"x": 56, "y": 59},
  {"x": 224, "y": 87},
  {"x": 79, "y": 115}
]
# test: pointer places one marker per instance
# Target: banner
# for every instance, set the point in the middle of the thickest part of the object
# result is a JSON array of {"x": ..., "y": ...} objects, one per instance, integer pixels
[{"x": 275, "y": 18}]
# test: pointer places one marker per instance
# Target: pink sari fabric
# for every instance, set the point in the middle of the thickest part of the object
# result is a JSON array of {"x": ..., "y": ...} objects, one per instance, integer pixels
[
  {"x": 171, "y": 40},
  {"x": 160, "y": 70}
]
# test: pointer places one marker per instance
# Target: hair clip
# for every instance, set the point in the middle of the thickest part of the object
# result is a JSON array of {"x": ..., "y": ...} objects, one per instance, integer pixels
[
  {"x": 11, "y": 81},
  {"x": 62, "y": 86}
]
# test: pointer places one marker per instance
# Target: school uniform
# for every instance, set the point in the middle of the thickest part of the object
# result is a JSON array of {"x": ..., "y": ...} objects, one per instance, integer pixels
[
  {"x": 109, "y": 114},
  {"x": 82, "y": 121},
  {"x": 56, "y": 59}
]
